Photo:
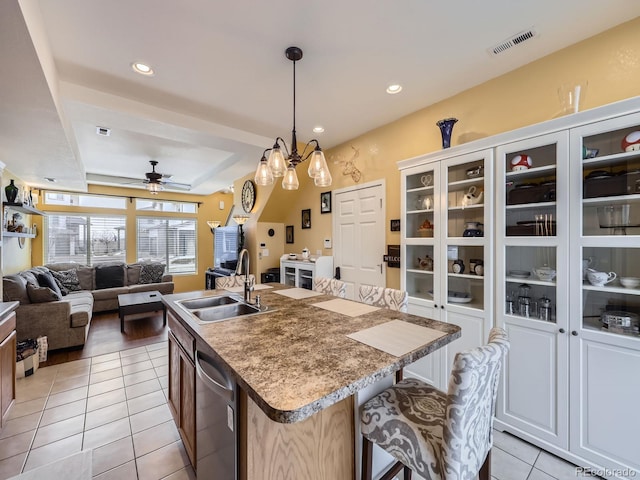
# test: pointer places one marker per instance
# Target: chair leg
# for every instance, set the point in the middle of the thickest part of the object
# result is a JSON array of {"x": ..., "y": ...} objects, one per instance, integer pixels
[
  {"x": 485, "y": 470},
  {"x": 407, "y": 473},
  {"x": 367, "y": 457}
]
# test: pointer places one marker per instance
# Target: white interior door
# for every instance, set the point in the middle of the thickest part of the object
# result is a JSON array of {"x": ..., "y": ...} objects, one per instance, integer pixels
[{"x": 358, "y": 232}]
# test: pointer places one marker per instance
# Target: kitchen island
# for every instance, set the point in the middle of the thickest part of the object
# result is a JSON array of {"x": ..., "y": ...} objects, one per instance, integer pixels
[{"x": 297, "y": 372}]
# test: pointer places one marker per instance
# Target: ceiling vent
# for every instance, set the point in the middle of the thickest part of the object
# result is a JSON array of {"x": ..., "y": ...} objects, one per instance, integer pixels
[
  {"x": 104, "y": 131},
  {"x": 515, "y": 40}
]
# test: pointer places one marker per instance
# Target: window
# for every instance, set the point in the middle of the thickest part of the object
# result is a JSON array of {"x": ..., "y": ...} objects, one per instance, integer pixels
[
  {"x": 171, "y": 241},
  {"x": 84, "y": 200},
  {"x": 88, "y": 239},
  {"x": 159, "y": 206}
]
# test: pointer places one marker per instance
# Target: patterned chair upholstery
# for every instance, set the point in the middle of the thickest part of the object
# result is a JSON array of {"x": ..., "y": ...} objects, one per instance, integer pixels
[
  {"x": 233, "y": 281},
  {"x": 384, "y": 297},
  {"x": 439, "y": 435},
  {"x": 330, "y": 286}
]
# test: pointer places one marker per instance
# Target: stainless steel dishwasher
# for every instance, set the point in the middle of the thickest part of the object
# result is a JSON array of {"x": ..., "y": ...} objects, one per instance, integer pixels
[{"x": 216, "y": 421}]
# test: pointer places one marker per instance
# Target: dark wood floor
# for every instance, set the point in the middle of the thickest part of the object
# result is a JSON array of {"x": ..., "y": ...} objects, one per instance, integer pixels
[{"x": 105, "y": 337}]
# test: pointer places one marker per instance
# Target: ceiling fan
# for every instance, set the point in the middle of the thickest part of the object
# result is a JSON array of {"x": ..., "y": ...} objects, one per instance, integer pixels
[{"x": 154, "y": 181}]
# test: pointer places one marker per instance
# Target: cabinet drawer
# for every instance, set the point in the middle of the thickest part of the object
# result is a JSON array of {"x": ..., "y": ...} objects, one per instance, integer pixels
[
  {"x": 184, "y": 338},
  {"x": 7, "y": 325}
]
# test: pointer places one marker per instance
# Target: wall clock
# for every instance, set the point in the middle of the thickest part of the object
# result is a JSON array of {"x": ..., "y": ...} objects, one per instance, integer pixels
[{"x": 248, "y": 196}]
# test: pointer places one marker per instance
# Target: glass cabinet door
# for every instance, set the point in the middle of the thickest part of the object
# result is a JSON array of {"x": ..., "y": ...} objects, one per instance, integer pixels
[
  {"x": 465, "y": 219},
  {"x": 608, "y": 191},
  {"x": 420, "y": 204}
]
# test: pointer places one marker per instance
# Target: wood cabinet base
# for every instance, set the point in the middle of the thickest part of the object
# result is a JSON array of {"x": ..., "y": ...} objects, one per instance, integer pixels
[{"x": 318, "y": 448}]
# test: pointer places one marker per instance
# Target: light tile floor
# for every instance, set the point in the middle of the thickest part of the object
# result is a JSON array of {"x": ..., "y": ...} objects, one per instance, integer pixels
[{"x": 116, "y": 404}]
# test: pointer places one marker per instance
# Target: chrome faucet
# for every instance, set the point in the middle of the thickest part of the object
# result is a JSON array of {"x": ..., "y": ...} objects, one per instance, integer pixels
[{"x": 248, "y": 282}]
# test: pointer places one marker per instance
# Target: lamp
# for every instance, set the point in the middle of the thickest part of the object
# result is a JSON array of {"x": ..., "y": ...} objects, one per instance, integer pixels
[
  {"x": 154, "y": 188},
  {"x": 213, "y": 224},
  {"x": 240, "y": 220},
  {"x": 277, "y": 166}
]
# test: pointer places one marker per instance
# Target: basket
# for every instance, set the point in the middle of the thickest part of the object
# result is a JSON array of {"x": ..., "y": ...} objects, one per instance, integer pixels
[{"x": 425, "y": 232}]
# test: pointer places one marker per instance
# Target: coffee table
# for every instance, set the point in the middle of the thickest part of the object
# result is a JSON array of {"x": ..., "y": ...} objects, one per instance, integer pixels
[{"x": 141, "y": 302}]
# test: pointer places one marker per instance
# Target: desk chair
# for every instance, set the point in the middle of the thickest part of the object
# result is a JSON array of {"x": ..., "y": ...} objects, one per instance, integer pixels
[{"x": 439, "y": 435}]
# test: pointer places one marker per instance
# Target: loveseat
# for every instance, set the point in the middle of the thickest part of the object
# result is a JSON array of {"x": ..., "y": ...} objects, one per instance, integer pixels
[{"x": 58, "y": 300}]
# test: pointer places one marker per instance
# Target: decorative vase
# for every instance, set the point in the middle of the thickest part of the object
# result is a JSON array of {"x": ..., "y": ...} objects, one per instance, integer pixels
[
  {"x": 446, "y": 127},
  {"x": 11, "y": 191}
]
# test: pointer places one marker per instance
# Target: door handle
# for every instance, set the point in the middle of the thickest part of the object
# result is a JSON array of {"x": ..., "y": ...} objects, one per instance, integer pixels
[
  {"x": 380, "y": 265},
  {"x": 561, "y": 330},
  {"x": 225, "y": 391}
]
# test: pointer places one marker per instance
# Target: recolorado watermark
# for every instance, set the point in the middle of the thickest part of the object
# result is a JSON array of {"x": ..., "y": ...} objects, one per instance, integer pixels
[{"x": 605, "y": 472}]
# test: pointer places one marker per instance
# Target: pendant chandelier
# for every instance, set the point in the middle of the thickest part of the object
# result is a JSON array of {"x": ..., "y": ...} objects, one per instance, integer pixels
[{"x": 277, "y": 166}]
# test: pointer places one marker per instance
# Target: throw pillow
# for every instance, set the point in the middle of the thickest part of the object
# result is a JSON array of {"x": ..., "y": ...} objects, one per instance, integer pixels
[
  {"x": 151, "y": 273},
  {"x": 47, "y": 280},
  {"x": 41, "y": 294},
  {"x": 68, "y": 279},
  {"x": 14, "y": 288},
  {"x": 109, "y": 276}
]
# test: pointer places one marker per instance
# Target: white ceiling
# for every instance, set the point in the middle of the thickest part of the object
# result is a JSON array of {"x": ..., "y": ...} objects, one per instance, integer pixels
[{"x": 222, "y": 90}]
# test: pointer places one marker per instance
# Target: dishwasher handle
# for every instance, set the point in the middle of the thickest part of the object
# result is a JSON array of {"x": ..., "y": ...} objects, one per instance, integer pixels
[{"x": 224, "y": 391}]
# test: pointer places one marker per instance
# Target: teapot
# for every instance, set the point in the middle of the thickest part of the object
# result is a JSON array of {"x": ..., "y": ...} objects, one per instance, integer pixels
[
  {"x": 305, "y": 253},
  {"x": 425, "y": 263},
  {"x": 470, "y": 197}
]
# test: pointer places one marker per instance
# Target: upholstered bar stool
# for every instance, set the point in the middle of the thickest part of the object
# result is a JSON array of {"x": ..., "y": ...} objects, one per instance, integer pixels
[
  {"x": 384, "y": 297},
  {"x": 330, "y": 286},
  {"x": 233, "y": 281},
  {"x": 439, "y": 435}
]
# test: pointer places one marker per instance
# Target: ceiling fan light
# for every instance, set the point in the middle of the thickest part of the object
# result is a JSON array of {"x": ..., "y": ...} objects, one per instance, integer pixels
[
  {"x": 323, "y": 179},
  {"x": 154, "y": 188},
  {"x": 317, "y": 163},
  {"x": 290, "y": 180},
  {"x": 263, "y": 176},
  {"x": 276, "y": 162}
]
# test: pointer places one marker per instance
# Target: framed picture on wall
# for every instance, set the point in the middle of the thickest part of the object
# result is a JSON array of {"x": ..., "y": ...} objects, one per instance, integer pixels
[
  {"x": 325, "y": 202},
  {"x": 306, "y": 218},
  {"x": 289, "y": 233}
]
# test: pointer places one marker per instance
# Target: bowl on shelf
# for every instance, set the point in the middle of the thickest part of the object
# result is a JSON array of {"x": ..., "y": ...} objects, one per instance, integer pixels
[
  {"x": 519, "y": 273},
  {"x": 629, "y": 282},
  {"x": 546, "y": 274},
  {"x": 425, "y": 232}
]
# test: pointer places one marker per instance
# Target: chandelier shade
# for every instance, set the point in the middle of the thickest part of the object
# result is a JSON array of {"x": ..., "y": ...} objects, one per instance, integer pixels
[
  {"x": 277, "y": 165},
  {"x": 154, "y": 188}
]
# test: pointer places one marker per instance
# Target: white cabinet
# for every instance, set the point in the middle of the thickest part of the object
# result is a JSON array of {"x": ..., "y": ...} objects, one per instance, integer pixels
[
  {"x": 604, "y": 342},
  {"x": 447, "y": 203},
  {"x": 301, "y": 273},
  {"x": 570, "y": 383},
  {"x": 532, "y": 269}
]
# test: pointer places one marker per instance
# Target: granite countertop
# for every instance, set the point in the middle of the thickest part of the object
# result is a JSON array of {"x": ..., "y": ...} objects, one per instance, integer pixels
[
  {"x": 7, "y": 307},
  {"x": 295, "y": 359}
]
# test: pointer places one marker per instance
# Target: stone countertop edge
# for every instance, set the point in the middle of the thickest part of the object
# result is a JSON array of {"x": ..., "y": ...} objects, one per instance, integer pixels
[
  {"x": 267, "y": 333},
  {"x": 7, "y": 307}
]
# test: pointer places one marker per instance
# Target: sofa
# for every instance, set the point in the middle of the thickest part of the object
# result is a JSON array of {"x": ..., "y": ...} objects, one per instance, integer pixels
[{"x": 58, "y": 300}]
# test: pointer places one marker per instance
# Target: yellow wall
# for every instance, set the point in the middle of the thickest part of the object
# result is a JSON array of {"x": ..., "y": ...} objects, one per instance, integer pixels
[
  {"x": 208, "y": 210},
  {"x": 609, "y": 61}
]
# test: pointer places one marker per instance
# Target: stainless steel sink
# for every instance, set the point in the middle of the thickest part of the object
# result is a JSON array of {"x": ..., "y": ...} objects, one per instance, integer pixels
[
  {"x": 226, "y": 312},
  {"x": 207, "y": 302},
  {"x": 219, "y": 308}
]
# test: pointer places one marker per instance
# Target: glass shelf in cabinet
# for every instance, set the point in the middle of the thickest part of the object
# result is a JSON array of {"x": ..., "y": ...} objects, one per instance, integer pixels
[
  {"x": 420, "y": 189},
  {"x": 419, "y": 271},
  {"x": 610, "y": 160},
  {"x": 471, "y": 276},
  {"x": 466, "y": 207},
  {"x": 464, "y": 184},
  {"x": 524, "y": 206},
  {"x": 613, "y": 200},
  {"x": 611, "y": 289},
  {"x": 544, "y": 170},
  {"x": 531, "y": 281},
  {"x": 430, "y": 210}
]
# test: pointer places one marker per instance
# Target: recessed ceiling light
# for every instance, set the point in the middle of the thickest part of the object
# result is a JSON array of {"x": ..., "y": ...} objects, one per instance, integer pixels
[
  {"x": 142, "y": 68},
  {"x": 50, "y": 179},
  {"x": 394, "y": 88},
  {"x": 318, "y": 129},
  {"x": 104, "y": 131}
]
